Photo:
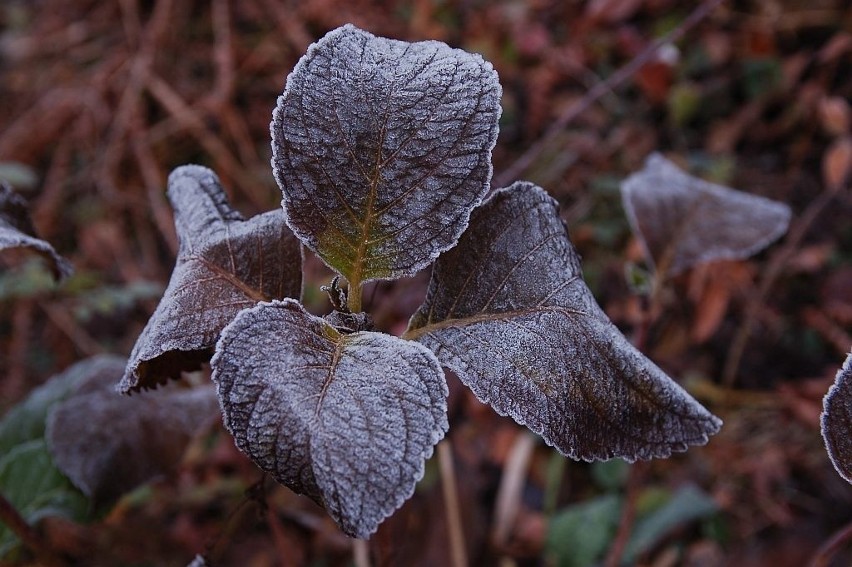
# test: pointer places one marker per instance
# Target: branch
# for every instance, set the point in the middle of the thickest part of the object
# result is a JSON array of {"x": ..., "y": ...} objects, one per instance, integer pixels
[
  {"x": 28, "y": 536},
  {"x": 599, "y": 90}
]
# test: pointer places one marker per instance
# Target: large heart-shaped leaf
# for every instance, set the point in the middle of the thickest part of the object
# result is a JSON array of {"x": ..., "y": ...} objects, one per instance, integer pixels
[
  {"x": 508, "y": 311},
  {"x": 17, "y": 231},
  {"x": 382, "y": 148},
  {"x": 837, "y": 421},
  {"x": 224, "y": 264},
  {"x": 683, "y": 220},
  {"x": 108, "y": 444},
  {"x": 347, "y": 419}
]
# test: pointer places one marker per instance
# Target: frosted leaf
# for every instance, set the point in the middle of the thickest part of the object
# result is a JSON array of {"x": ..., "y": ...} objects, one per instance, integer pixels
[
  {"x": 224, "y": 265},
  {"x": 108, "y": 444},
  {"x": 382, "y": 148},
  {"x": 836, "y": 421},
  {"x": 346, "y": 419},
  {"x": 507, "y": 310},
  {"x": 683, "y": 220},
  {"x": 17, "y": 231}
]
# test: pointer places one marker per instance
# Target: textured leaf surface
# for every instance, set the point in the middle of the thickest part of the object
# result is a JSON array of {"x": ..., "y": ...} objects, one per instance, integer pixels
[
  {"x": 382, "y": 148},
  {"x": 837, "y": 421},
  {"x": 17, "y": 231},
  {"x": 36, "y": 488},
  {"x": 346, "y": 419},
  {"x": 108, "y": 444},
  {"x": 224, "y": 264},
  {"x": 508, "y": 311},
  {"x": 683, "y": 220}
]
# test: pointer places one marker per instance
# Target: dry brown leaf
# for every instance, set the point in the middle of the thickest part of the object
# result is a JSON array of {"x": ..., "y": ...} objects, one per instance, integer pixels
[
  {"x": 834, "y": 115},
  {"x": 837, "y": 164}
]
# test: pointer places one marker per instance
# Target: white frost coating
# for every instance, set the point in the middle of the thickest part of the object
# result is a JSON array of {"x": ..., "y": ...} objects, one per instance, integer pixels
[
  {"x": 346, "y": 419},
  {"x": 508, "y": 311},
  {"x": 108, "y": 444},
  {"x": 224, "y": 264},
  {"x": 382, "y": 148},
  {"x": 683, "y": 220},
  {"x": 836, "y": 421},
  {"x": 17, "y": 231}
]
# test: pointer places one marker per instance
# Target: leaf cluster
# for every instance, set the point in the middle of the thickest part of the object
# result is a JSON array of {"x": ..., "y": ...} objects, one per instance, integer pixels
[{"x": 382, "y": 150}]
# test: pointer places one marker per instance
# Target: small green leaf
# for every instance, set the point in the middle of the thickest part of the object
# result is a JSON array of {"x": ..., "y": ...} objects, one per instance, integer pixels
[
  {"x": 26, "y": 421},
  {"x": 684, "y": 506},
  {"x": 36, "y": 488},
  {"x": 579, "y": 535}
]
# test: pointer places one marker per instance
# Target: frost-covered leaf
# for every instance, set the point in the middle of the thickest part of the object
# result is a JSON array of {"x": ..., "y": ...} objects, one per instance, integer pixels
[
  {"x": 382, "y": 148},
  {"x": 36, "y": 488},
  {"x": 108, "y": 444},
  {"x": 26, "y": 421},
  {"x": 507, "y": 310},
  {"x": 17, "y": 231},
  {"x": 683, "y": 220},
  {"x": 346, "y": 419},
  {"x": 224, "y": 264},
  {"x": 837, "y": 421}
]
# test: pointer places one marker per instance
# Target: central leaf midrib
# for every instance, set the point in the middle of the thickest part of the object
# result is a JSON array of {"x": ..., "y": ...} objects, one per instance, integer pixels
[{"x": 366, "y": 227}]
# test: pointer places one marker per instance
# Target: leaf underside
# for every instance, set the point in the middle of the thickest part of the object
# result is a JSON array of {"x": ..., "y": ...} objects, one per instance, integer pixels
[
  {"x": 507, "y": 310},
  {"x": 683, "y": 220},
  {"x": 108, "y": 444},
  {"x": 346, "y": 419},
  {"x": 224, "y": 264},
  {"x": 836, "y": 421},
  {"x": 382, "y": 148},
  {"x": 17, "y": 231}
]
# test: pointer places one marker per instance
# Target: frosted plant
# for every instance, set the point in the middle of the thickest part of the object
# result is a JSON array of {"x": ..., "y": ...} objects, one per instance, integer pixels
[
  {"x": 683, "y": 220},
  {"x": 382, "y": 150}
]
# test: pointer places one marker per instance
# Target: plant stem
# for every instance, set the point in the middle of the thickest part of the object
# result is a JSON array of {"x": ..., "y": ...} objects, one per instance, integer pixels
[
  {"x": 458, "y": 553},
  {"x": 28, "y": 536},
  {"x": 353, "y": 296},
  {"x": 628, "y": 515},
  {"x": 360, "y": 553},
  {"x": 823, "y": 556},
  {"x": 794, "y": 238}
]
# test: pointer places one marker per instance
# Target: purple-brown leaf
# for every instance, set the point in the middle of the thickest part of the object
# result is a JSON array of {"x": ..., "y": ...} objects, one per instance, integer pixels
[
  {"x": 507, "y": 310},
  {"x": 224, "y": 265},
  {"x": 17, "y": 231},
  {"x": 683, "y": 220},
  {"x": 837, "y": 421},
  {"x": 347, "y": 419},
  {"x": 108, "y": 444},
  {"x": 382, "y": 148}
]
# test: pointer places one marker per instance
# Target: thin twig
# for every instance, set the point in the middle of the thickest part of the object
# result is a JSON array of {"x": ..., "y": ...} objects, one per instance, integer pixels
[
  {"x": 511, "y": 487},
  {"x": 360, "y": 553},
  {"x": 628, "y": 514},
  {"x": 797, "y": 233},
  {"x": 823, "y": 556},
  {"x": 28, "y": 536},
  {"x": 614, "y": 81},
  {"x": 458, "y": 553}
]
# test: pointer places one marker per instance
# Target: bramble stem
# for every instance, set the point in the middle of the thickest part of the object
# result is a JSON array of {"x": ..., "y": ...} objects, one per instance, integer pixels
[
  {"x": 827, "y": 551},
  {"x": 28, "y": 536},
  {"x": 458, "y": 554}
]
